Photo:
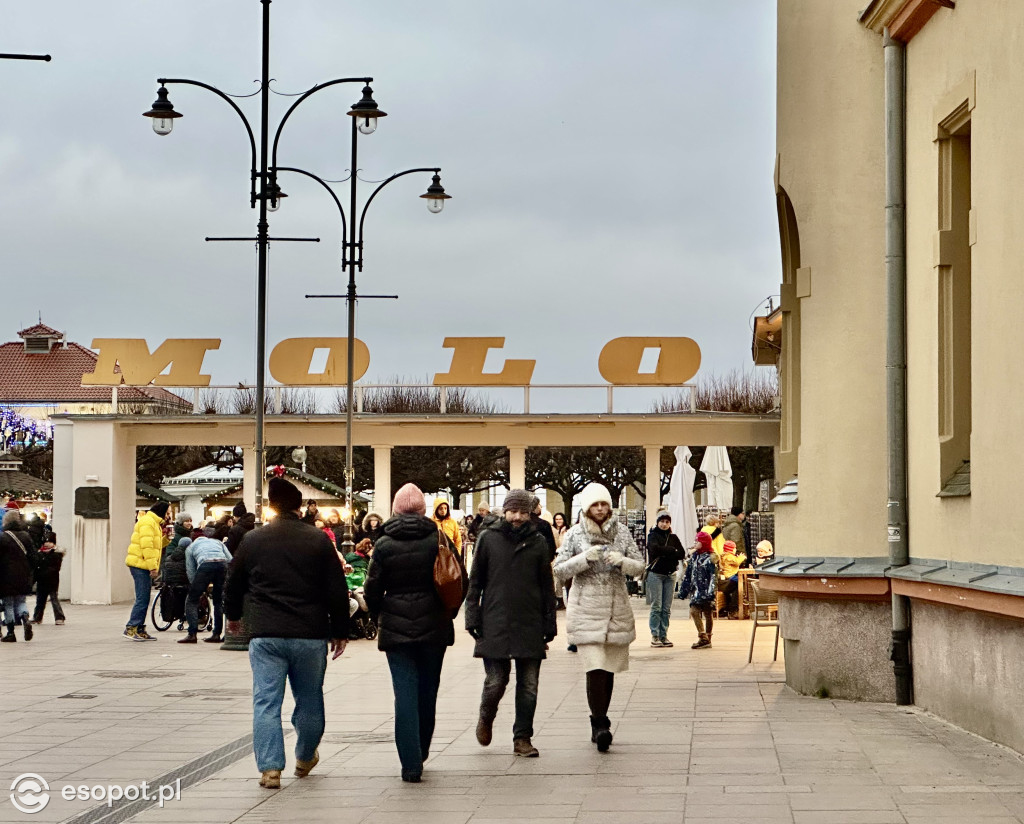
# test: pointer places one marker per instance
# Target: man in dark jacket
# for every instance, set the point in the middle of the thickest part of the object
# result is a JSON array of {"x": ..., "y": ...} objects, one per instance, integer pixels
[
  {"x": 245, "y": 522},
  {"x": 510, "y": 611},
  {"x": 297, "y": 600},
  {"x": 543, "y": 527},
  {"x": 17, "y": 557},
  {"x": 664, "y": 552}
]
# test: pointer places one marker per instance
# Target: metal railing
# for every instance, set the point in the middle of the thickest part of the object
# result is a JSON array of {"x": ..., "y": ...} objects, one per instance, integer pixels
[{"x": 423, "y": 398}]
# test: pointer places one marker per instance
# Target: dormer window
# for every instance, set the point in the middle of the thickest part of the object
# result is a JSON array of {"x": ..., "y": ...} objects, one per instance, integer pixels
[{"x": 38, "y": 345}]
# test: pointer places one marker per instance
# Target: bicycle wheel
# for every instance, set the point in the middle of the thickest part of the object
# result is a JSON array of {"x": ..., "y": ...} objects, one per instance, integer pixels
[
  {"x": 205, "y": 618},
  {"x": 156, "y": 615},
  {"x": 371, "y": 629}
]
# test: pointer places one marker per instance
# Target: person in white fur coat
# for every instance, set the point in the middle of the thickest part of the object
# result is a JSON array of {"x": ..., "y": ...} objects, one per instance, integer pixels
[{"x": 598, "y": 553}]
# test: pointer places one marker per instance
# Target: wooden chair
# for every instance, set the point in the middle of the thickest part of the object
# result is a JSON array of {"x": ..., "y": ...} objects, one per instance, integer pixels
[
  {"x": 765, "y": 612},
  {"x": 719, "y": 603}
]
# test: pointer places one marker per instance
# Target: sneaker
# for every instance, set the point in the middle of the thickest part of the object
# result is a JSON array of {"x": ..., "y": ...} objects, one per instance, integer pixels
[
  {"x": 37, "y": 620},
  {"x": 189, "y": 639},
  {"x": 132, "y": 634},
  {"x": 524, "y": 749},
  {"x": 701, "y": 642},
  {"x": 483, "y": 732},
  {"x": 666, "y": 643},
  {"x": 213, "y": 639},
  {"x": 28, "y": 628},
  {"x": 304, "y": 768},
  {"x": 271, "y": 779},
  {"x": 142, "y": 635},
  {"x": 412, "y": 777},
  {"x": 657, "y": 642},
  {"x": 59, "y": 622},
  {"x": 9, "y": 638}
]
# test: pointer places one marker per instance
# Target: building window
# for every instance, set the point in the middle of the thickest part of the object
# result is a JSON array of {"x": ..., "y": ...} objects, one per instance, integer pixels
[{"x": 954, "y": 294}]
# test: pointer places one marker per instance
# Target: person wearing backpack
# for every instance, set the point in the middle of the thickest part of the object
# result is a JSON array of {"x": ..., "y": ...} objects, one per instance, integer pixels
[
  {"x": 415, "y": 628},
  {"x": 17, "y": 556}
]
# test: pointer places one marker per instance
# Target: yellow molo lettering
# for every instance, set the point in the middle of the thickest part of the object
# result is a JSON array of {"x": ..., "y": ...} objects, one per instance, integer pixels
[
  {"x": 467, "y": 367},
  {"x": 291, "y": 360},
  {"x": 138, "y": 367},
  {"x": 678, "y": 361}
]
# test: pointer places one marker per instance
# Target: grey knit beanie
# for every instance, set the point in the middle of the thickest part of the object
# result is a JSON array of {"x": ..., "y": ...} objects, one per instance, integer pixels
[{"x": 520, "y": 500}]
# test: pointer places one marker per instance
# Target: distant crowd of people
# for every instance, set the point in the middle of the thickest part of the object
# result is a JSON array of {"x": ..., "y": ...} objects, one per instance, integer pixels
[{"x": 29, "y": 559}]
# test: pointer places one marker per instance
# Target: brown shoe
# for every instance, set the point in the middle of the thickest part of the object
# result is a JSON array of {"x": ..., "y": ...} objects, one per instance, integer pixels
[
  {"x": 483, "y": 732},
  {"x": 304, "y": 768},
  {"x": 271, "y": 779},
  {"x": 524, "y": 749},
  {"x": 189, "y": 639}
]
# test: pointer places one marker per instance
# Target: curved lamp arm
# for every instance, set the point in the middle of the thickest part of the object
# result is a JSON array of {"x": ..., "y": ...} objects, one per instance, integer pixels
[
  {"x": 369, "y": 200},
  {"x": 252, "y": 140},
  {"x": 334, "y": 197},
  {"x": 314, "y": 90}
]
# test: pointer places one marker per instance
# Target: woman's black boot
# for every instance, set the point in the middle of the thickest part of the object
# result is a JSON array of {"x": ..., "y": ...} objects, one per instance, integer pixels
[{"x": 601, "y": 732}]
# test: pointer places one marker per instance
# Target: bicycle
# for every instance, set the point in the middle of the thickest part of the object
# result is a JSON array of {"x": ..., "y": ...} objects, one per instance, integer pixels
[{"x": 159, "y": 611}]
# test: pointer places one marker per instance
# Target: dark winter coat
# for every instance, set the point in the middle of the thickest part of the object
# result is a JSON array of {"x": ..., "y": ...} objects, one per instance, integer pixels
[
  {"x": 48, "y": 564},
  {"x": 242, "y": 527},
  {"x": 546, "y": 532},
  {"x": 372, "y": 534},
  {"x": 400, "y": 585},
  {"x": 511, "y": 602},
  {"x": 700, "y": 582},
  {"x": 37, "y": 531},
  {"x": 294, "y": 581},
  {"x": 664, "y": 551},
  {"x": 732, "y": 530},
  {"x": 172, "y": 568},
  {"x": 15, "y": 563}
]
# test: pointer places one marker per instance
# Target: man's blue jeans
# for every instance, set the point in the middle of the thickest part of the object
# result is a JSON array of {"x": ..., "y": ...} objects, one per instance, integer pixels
[
  {"x": 302, "y": 662},
  {"x": 496, "y": 675},
  {"x": 210, "y": 572},
  {"x": 415, "y": 676},
  {"x": 143, "y": 587},
  {"x": 659, "y": 591}
]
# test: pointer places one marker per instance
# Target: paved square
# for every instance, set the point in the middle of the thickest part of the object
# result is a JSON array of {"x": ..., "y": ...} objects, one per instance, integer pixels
[{"x": 699, "y": 737}]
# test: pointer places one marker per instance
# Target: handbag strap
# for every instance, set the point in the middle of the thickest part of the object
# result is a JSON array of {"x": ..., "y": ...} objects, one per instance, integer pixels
[{"x": 17, "y": 541}]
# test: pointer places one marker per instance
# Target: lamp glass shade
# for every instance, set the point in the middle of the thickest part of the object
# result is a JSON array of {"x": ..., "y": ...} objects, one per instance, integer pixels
[
  {"x": 163, "y": 125},
  {"x": 273, "y": 204},
  {"x": 435, "y": 205},
  {"x": 366, "y": 125}
]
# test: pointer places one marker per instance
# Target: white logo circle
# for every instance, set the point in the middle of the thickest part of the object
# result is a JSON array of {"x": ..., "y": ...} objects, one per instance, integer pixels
[{"x": 30, "y": 793}]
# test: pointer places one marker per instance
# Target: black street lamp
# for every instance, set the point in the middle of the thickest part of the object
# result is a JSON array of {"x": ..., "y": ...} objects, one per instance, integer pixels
[
  {"x": 352, "y": 261},
  {"x": 265, "y": 194}
]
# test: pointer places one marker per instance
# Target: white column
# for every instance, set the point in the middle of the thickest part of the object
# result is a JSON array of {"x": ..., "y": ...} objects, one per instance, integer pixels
[
  {"x": 249, "y": 479},
  {"x": 652, "y": 484},
  {"x": 382, "y": 481},
  {"x": 100, "y": 457},
  {"x": 63, "y": 516},
  {"x": 517, "y": 467}
]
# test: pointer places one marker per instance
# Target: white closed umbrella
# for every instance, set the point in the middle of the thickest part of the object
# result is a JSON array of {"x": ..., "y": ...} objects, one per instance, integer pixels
[
  {"x": 681, "y": 505},
  {"x": 718, "y": 471}
]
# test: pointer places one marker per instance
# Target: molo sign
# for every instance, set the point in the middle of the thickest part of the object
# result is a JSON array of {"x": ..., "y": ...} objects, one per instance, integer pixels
[{"x": 128, "y": 362}]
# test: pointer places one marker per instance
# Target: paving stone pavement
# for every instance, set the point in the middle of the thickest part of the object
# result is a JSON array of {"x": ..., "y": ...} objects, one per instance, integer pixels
[{"x": 700, "y": 736}]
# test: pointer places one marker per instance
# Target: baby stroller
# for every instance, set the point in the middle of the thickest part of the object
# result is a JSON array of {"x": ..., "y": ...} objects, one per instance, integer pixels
[
  {"x": 361, "y": 624},
  {"x": 169, "y": 606}
]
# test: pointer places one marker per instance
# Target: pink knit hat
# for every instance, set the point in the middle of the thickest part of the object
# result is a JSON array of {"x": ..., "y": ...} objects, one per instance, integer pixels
[{"x": 409, "y": 500}]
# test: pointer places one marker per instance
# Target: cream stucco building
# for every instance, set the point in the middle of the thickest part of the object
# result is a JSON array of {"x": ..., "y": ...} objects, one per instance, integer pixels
[{"x": 848, "y": 78}]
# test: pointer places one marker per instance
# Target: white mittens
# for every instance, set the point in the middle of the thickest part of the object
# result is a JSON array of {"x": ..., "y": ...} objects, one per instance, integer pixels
[
  {"x": 593, "y": 555},
  {"x": 614, "y": 558}
]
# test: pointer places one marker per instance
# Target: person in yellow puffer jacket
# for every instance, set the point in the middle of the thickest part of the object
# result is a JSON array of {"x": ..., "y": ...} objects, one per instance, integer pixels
[
  {"x": 728, "y": 578},
  {"x": 443, "y": 518},
  {"x": 713, "y": 527},
  {"x": 143, "y": 562}
]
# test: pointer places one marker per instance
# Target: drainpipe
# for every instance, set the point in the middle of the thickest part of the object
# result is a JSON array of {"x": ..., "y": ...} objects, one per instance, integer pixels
[{"x": 896, "y": 351}]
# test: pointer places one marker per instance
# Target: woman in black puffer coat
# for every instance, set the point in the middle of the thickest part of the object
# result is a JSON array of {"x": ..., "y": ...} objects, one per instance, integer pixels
[{"x": 415, "y": 628}]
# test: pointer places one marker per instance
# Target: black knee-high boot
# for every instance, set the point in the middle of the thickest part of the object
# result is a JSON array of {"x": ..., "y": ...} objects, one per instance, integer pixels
[{"x": 599, "y": 697}]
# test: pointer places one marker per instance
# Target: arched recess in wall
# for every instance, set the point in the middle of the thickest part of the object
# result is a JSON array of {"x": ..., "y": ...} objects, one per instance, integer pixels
[{"x": 789, "y": 361}]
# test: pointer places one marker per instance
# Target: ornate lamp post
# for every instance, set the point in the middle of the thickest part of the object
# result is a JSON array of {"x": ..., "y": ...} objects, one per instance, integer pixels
[{"x": 264, "y": 194}]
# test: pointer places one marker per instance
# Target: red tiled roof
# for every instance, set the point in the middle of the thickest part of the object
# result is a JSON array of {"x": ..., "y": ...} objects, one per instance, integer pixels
[
  {"x": 40, "y": 330},
  {"x": 56, "y": 376}
]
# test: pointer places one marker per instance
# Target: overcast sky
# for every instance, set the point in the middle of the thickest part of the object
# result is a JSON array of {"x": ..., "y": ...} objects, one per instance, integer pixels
[{"x": 610, "y": 163}]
